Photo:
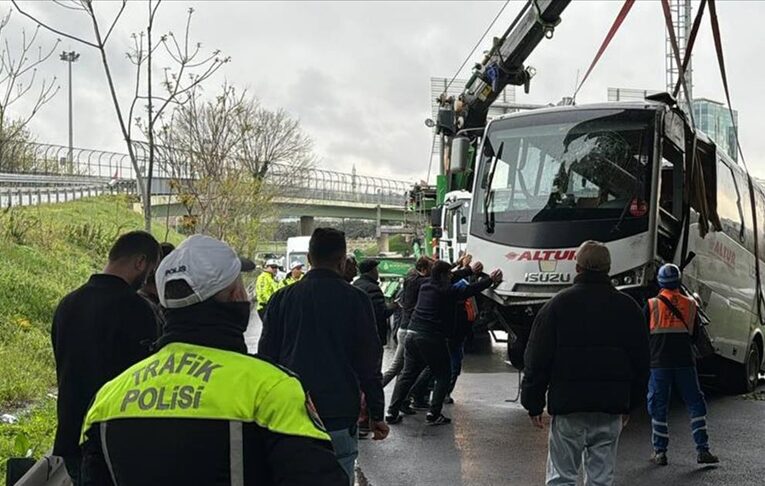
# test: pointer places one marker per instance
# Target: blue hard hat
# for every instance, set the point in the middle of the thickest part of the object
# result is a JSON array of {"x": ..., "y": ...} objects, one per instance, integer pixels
[{"x": 669, "y": 276}]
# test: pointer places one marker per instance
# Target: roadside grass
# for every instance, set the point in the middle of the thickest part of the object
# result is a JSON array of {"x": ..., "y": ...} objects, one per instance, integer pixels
[{"x": 46, "y": 252}]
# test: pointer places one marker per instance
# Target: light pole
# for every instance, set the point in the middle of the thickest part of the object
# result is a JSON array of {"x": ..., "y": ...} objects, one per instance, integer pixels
[{"x": 70, "y": 57}]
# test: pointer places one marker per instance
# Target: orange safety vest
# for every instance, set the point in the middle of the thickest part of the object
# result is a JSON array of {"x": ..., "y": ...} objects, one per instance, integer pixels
[{"x": 664, "y": 321}]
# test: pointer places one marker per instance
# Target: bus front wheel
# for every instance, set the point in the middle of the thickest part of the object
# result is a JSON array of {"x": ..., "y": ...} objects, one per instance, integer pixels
[{"x": 743, "y": 377}]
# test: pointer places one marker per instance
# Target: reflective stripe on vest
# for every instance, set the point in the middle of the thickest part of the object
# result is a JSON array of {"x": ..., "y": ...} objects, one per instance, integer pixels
[
  {"x": 188, "y": 381},
  {"x": 664, "y": 321}
]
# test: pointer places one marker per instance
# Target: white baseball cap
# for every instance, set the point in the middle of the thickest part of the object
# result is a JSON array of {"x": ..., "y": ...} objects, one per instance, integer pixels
[
  {"x": 296, "y": 264},
  {"x": 207, "y": 265}
]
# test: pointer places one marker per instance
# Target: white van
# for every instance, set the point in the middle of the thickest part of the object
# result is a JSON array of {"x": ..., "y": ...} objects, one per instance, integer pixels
[{"x": 297, "y": 251}]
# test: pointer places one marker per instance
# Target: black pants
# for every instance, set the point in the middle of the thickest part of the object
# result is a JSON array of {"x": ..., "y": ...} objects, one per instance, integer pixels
[
  {"x": 423, "y": 351},
  {"x": 73, "y": 463},
  {"x": 424, "y": 383}
]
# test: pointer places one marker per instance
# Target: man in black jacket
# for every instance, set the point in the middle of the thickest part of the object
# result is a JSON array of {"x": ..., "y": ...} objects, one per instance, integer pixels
[
  {"x": 431, "y": 325},
  {"x": 200, "y": 410},
  {"x": 324, "y": 330},
  {"x": 98, "y": 331},
  {"x": 369, "y": 282},
  {"x": 588, "y": 352},
  {"x": 411, "y": 291}
]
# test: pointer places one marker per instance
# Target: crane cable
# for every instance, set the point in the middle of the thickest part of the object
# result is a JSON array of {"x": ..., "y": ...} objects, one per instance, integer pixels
[
  {"x": 469, "y": 56},
  {"x": 721, "y": 62},
  {"x": 611, "y": 33},
  {"x": 682, "y": 80}
]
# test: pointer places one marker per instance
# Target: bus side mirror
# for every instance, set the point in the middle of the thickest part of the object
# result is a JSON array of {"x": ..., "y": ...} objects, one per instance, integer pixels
[{"x": 460, "y": 154}]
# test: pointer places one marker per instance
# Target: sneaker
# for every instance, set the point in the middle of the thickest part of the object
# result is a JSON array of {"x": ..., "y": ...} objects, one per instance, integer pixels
[
  {"x": 407, "y": 409},
  {"x": 363, "y": 434},
  {"x": 393, "y": 418},
  {"x": 420, "y": 405},
  {"x": 706, "y": 457},
  {"x": 659, "y": 458},
  {"x": 440, "y": 419}
]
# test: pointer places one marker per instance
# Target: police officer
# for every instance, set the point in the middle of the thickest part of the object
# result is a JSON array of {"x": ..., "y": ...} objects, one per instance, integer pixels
[
  {"x": 266, "y": 285},
  {"x": 296, "y": 273},
  {"x": 200, "y": 410},
  {"x": 673, "y": 319}
]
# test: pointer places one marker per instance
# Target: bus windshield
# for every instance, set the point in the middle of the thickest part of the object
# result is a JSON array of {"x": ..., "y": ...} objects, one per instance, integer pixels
[{"x": 568, "y": 165}]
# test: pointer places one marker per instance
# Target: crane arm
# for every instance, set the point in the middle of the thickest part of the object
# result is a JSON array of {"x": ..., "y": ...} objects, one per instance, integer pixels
[{"x": 504, "y": 63}]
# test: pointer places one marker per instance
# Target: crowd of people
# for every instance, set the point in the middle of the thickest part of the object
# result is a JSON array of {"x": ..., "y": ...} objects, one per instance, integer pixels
[{"x": 156, "y": 385}]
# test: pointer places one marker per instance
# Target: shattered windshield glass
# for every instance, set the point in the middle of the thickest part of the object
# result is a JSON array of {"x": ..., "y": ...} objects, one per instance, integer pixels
[{"x": 580, "y": 164}]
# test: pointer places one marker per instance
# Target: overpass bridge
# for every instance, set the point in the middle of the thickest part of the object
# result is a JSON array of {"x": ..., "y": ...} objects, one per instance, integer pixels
[{"x": 49, "y": 173}]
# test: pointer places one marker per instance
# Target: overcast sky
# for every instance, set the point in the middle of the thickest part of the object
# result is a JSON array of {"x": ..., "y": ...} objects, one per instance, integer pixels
[{"x": 357, "y": 74}]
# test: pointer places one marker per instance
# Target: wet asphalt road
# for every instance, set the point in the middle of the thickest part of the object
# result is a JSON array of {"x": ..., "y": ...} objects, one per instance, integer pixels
[{"x": 491, "y": 441}]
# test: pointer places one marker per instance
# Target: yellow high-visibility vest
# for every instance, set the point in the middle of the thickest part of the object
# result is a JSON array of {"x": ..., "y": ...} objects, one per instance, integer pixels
[{"x": 188, "y": 381}]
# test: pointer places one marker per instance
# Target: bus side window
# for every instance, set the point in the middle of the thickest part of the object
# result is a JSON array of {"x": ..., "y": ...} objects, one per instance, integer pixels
[
  {"x": 672, "y": 183},
  {"x": 760, "y": 202},
  {"x": 728, "y": 201},
  {"x": 746, "y": 209}
]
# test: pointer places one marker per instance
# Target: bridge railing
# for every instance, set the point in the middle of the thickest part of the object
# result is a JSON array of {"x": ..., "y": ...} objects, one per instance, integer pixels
[{"x": 301, "y": 182}]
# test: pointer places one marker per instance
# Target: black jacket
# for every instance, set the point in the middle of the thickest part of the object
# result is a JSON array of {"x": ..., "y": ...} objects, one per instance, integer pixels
[
  {"x": 323, "y": 329},
  {"x": 434, "y": 313},
  {"x": 412, "y": 284},
  {"x": 589, "y": 344},
  {"x": 161, "y": 451},
  {"x": 375, "y": 293},
  {"x": 98, "y": 331}
]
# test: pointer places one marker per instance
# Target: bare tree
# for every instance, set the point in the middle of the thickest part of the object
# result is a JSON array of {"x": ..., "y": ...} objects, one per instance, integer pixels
[
  {"x": 278, "y": 139},
  {"x": 223, "y": 177},
  {"x": 18, "y": 81},
  {"x": 189, "y": 69}
]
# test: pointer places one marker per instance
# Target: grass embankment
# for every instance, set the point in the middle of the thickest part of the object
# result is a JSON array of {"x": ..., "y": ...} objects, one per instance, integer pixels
[{"x": 46, "y": 252}]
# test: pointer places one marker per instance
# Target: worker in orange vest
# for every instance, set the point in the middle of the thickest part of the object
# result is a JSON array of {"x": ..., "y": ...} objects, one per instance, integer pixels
[{"x": 673, "y": 319}]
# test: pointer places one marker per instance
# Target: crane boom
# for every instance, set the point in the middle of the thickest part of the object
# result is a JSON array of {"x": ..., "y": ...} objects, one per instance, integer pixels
[{"x": 504, "y": 63}]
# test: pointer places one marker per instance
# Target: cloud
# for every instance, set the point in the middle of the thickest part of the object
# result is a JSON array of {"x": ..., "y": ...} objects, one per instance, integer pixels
[{"x": 357, "y": 73}]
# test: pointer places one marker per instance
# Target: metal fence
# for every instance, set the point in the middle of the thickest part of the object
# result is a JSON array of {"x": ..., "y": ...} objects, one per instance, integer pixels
[{"x": 97, "y": 167}]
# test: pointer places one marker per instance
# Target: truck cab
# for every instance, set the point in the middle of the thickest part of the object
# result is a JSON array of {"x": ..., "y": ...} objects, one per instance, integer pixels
[{"x": 455, "y": 213}]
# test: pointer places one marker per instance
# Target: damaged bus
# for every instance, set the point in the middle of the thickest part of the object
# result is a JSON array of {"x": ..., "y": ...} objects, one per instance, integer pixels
[{"x": 637, "y": 177}]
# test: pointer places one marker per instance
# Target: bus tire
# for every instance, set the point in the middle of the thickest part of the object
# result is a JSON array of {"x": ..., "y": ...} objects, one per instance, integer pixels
[{"x": 743, "y": 377}]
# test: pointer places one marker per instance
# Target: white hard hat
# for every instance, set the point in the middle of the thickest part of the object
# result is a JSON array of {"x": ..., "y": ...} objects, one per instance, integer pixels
[
  {"x": 296, "y": 264},
  {"x": 207, "y": 265}
]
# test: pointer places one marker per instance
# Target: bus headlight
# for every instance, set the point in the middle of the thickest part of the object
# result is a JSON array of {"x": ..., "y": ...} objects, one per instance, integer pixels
[{"x": 630, "y": 277}]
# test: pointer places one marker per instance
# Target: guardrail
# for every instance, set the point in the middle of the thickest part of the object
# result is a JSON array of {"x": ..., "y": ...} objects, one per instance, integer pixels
[{"x": 34, "y": 189}]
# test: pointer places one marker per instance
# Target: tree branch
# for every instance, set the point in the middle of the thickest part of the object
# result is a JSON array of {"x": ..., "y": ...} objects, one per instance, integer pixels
[
  {"x": 51, "y": 29},
  {"x": 114, "y": 23}
]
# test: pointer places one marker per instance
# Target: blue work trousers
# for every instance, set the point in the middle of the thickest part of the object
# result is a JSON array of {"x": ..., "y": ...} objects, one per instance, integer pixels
[{"x": 659, "y": 391}]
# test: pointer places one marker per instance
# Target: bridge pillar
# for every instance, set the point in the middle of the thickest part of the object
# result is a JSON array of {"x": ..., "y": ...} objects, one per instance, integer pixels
[
  {"x": 306, "y": 225},
  {"x": 383, "y": 243}
]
